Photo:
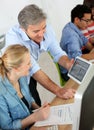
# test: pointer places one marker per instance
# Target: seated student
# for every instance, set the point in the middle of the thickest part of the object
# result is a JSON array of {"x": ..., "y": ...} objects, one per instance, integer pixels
[
  {"x": 72, "y": 40},
  {"x": 15, "y": 99},
  {"x": 89, "y": 31}
]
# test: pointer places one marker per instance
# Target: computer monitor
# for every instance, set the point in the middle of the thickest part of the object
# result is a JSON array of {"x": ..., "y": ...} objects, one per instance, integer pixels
[{"x": 84, "y": 97}]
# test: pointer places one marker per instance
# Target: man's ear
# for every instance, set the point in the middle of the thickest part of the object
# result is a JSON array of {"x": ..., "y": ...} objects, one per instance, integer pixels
[{"x": 77, "y": 19}]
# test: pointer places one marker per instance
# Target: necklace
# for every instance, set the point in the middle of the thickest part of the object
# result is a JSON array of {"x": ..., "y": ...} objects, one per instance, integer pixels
[{"x": 17, "y": 88}]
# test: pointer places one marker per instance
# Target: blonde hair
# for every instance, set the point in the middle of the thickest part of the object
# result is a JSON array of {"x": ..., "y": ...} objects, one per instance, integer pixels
[{"x": 12, "y": 58}]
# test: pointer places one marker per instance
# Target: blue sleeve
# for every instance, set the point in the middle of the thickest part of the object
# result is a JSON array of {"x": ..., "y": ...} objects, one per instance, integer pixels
[
  {"x": 34, "y": 66},
  {"x": 73, "y": 48},
  {"x": 11, "y": 38},
  {"x": 54, "y": 47},
  {"x": 5, "y": 119},
  {"x": 71, "y": 43}
]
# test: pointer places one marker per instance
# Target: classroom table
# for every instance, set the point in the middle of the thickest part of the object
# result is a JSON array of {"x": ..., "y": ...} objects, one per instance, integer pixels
[{"x": 58, "y": 101}]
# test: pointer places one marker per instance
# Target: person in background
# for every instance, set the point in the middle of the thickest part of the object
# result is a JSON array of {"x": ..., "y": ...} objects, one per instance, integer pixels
[
  {"x": 89, "y": 31},
  {"x": 72, "y": 39},
  {"x": 15, "y": 98},
  {"x": 34, "y": 33}
]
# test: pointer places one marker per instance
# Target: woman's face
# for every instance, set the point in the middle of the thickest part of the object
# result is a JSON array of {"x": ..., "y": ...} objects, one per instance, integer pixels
[{"x": 25, "y": 66}]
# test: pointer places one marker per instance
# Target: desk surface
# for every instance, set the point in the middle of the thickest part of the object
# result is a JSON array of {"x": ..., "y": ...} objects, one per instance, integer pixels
[{"x": 58, "y": 101}]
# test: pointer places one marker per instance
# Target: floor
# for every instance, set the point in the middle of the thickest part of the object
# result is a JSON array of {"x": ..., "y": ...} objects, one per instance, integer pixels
[{"x": 49, "y": 68}]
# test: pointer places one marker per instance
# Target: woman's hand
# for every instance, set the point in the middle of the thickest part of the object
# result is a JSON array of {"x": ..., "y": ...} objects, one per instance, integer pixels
[{"x": 42, "y": 113}]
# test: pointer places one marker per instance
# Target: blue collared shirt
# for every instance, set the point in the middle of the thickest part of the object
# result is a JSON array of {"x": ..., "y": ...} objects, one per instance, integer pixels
[
  {"x": 49, "y": 44},
  {"x": 72, "y": 41},
  {"x": 12, "y": 108}
]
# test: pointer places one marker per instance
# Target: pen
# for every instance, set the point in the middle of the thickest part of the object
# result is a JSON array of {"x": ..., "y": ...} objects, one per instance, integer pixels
[{"x": 41, "y": 107}]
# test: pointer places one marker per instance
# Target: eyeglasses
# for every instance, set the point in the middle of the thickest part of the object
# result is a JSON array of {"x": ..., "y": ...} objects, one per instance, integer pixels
[{"x": 86, "y": 20}]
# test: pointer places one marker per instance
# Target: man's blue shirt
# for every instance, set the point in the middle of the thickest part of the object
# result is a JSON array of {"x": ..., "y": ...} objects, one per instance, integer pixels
[
  {"x": 72, "y": 41},
  {"x": 16, "y": 35}
]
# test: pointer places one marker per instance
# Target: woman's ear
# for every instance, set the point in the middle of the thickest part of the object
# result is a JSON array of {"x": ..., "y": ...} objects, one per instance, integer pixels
[{"x": 16, "y": 69}]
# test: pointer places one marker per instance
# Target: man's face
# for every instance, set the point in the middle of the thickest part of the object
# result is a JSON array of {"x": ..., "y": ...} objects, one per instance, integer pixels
[
  {"x": 36, "y": 32},
  {"x": 84, "y": 22}
]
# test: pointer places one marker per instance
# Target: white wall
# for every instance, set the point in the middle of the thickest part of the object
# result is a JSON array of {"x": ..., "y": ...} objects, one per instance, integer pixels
[
  {"x": 9, "y": 11},
  {"x": 58, "y": 12}
]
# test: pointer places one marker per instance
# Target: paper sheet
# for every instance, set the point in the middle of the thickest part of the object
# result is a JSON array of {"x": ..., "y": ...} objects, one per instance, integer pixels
[{"x": 59, "y": 115}]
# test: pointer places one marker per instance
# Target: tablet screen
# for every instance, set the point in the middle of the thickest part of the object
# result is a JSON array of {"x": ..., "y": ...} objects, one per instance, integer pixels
[{"x": 79, "y": 69}]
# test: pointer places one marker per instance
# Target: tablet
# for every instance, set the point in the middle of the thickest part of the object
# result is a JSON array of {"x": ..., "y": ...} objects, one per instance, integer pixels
[{"x": 79, "y": 69}]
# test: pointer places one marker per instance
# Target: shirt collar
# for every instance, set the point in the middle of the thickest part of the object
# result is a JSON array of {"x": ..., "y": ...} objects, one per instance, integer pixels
[
  {"x": 75, "y": 28},
  {"x": 24, "y": 35}
]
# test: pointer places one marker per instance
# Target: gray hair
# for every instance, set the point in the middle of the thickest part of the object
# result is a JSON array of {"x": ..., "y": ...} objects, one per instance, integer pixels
[{"x": 30, "y": 15}]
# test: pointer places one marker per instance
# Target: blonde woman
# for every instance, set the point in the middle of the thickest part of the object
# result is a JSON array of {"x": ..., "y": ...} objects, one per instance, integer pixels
[{"x": 15, "y": 99}]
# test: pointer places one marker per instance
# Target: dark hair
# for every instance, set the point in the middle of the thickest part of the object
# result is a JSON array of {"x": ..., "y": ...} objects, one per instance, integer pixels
[
  {"x": 79, "y": 11},
  {"x": 89, "y": 3}
]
